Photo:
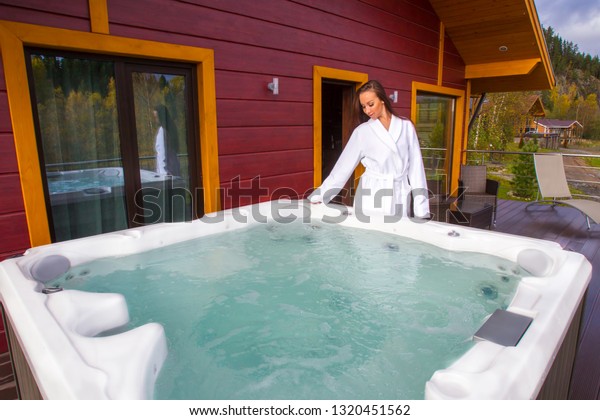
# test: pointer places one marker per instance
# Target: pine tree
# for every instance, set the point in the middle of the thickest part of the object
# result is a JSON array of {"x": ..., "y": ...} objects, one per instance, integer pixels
[{"x": 524, "y": 182}]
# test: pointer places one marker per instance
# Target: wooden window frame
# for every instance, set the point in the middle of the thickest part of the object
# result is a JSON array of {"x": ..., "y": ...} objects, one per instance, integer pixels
[
  {"x": 14, "y": 37},
  {"x": 459, "y": 122}
]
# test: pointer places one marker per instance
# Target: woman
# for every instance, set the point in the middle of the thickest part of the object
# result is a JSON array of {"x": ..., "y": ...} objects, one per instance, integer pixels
[
  {"x": 166, "y": 143},
  {"x": 388, "y": 148}
]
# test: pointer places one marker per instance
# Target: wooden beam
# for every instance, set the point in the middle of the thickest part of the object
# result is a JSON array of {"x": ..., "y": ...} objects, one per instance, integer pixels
[
  {"x": 21, "y": 114},
  {"x": 98, "y": 16},
  {"x": 501, "y": 68},
  {"x": 441, "y": 54}
]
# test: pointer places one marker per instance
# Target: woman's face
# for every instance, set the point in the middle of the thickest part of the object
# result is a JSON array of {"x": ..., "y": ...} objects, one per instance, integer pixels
[{"x": 372, "y": 105}]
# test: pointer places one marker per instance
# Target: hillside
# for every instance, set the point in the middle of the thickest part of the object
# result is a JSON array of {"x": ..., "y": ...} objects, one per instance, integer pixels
[{"x": 577, "y": 89}]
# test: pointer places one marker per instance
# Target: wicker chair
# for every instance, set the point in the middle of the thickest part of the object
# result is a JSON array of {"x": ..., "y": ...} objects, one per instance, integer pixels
[{"x": 475, "y": 187}]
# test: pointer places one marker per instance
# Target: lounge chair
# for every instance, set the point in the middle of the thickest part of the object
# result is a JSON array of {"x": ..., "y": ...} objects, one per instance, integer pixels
[{"x": 553, "y": 187}]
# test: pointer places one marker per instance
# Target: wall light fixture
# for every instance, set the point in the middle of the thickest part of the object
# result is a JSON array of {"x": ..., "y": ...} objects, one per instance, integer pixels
[{"x": 274, "y": 86}]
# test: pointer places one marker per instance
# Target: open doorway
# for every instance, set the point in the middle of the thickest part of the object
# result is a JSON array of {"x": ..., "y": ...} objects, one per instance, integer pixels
[
  {"x": 334, "y": 118},
  {"x": 338, "y": 119}
]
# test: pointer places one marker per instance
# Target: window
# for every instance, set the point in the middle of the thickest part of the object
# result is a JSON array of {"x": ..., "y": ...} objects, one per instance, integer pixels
[
  {"x": 116, "y": 142},
  {"x": 438, "y": 113},
  {"x": 435, "y": 125}
]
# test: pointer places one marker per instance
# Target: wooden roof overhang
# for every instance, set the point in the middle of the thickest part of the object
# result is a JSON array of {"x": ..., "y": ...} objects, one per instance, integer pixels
[
  {"x": 537, "y": 108},
  {"x": 501, "y": 43}
]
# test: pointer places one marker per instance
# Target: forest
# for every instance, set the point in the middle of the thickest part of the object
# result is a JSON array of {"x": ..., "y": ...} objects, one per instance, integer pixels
[
  {"x": 77, "y": 111},
  {"x": 575, "y": 97}
]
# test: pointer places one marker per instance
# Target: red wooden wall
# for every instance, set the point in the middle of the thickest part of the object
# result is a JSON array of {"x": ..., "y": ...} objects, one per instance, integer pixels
[
  {"x": 260, "y": 135},
  {"x": 14, "y": 237},
  {"x": 267, "y": 136}
]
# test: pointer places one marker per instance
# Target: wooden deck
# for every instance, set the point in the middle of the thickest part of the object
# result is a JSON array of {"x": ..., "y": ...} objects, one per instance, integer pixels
[
  {"x": 8, "y": 391},
  {"x": 567, "y": 227},
  {"x": 563, "y": 225}
]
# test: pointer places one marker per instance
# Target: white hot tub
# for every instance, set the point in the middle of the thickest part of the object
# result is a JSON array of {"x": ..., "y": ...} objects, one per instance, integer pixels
[{"x": 71, "y": 341}]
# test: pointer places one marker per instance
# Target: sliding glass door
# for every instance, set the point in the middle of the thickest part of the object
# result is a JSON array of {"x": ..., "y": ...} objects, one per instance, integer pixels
[{"x": 116, "y": 142}]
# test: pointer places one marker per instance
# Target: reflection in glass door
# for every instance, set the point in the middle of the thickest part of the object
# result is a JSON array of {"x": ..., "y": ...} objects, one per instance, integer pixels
[
  {"x": 161, "y": 129},
  {"x": 435, "y": 125},
  {"x": 78, "y": 136},
  {"x": 115, "y": 140}
]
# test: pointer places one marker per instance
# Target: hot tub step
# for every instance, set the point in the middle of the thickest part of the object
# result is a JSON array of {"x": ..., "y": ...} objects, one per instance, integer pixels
[{"x": 504, "y": 328}]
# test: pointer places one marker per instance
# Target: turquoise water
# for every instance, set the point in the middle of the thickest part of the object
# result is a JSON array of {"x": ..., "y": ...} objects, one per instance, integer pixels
[
  {"x": 304, "y": 311},
  {"x": 65, "y": 182}
]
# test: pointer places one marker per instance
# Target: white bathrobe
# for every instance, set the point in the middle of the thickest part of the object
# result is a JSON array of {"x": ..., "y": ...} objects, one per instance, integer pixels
[
  {"x": 161, "y": 152},
  {"x": 394, "y": 166}
]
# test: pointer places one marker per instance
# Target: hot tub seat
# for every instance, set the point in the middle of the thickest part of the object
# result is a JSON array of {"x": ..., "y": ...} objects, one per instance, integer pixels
[
  {"x": 67, "y": 356},
  {"x": 130, "y": 360}
]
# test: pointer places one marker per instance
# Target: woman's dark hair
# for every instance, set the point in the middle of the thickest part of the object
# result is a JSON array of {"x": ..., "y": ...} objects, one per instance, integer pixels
[{"x": 377, "y": 88}]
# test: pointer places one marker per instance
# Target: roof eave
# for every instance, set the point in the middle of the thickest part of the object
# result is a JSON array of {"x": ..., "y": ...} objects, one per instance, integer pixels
[
  {"x": 540, "y": 76},
  {"x": 477, "y": 32}
]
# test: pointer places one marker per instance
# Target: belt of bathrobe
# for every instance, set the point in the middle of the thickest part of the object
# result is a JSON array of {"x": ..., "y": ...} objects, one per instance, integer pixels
[{"x": 370, "y": 172}]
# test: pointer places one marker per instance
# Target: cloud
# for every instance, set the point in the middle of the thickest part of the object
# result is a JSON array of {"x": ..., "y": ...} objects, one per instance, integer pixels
[{"x": 575, "y": 21}]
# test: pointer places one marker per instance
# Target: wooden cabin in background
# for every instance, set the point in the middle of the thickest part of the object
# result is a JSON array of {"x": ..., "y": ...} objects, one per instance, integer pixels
[
  {"x": 553, "y": 132},
  {"x": 534, "y": 111},
  {"x": 260, "y": 94}
]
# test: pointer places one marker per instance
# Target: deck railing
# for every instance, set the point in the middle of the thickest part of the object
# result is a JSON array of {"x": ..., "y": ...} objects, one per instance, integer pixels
[
  {"x": 582, "y": 177},
  {"x": 145, "y": 162}
]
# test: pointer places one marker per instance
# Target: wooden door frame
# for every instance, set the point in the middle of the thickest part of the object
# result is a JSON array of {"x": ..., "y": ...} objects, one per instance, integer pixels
[
  {"x": 320, "y": 73},
  {"x": 14, "y": 37}
]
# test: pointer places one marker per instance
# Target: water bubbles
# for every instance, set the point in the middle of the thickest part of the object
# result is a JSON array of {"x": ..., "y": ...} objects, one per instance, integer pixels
[
  {"x": 309, "y": 239},
  {"x": 301, "y": 278},
  {"x": 325, "y": 328},
  {"x": 339, "y": 302}
]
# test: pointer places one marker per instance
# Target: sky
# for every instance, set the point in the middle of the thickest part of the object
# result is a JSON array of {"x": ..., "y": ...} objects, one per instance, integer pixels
[{"x": 577, "y": 21}]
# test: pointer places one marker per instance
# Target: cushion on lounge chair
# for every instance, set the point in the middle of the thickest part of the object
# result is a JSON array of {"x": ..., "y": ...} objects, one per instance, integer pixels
[{"x": 554, "y": 189}]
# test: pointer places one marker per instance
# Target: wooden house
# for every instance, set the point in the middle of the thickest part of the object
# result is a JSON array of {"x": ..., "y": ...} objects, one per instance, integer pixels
[
  {"x": 535, "y": 110},
  {"x": 554, "y": 132},
  {"x": 260, "y": 94}
]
